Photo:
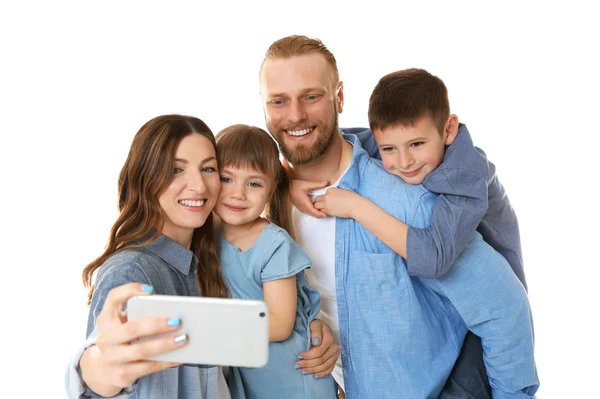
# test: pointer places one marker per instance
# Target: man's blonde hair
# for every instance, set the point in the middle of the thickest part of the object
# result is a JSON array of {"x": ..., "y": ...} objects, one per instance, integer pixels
[{"x": 296, "y": 45}]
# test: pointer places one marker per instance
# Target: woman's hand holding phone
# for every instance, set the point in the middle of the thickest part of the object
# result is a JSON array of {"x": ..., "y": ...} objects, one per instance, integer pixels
[{"x": 116, "y": 361}]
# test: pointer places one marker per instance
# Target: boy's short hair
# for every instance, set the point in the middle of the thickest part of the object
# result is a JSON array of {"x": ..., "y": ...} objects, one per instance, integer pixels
[{"x": 403, "y": 97}]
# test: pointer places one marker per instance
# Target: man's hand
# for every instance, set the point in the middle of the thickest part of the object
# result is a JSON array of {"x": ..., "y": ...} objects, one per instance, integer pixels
[
  {"x": 338, "y": 202},
  {"x": 299, "y": 191},
  {"x": 321, "y": 358}
]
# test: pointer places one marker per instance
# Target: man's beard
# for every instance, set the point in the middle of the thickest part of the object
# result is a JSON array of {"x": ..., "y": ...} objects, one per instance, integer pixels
[{"x": 302, "y": 155}]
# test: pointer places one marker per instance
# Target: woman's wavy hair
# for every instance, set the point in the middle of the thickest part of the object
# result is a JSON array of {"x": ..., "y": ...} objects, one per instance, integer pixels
[
  {"x": 243, "y": 146},
  {"x": 146, "y": 173}
]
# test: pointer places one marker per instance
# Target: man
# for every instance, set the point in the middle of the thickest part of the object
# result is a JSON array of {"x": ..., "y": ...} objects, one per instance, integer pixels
[{"x": 399, "y": 336}]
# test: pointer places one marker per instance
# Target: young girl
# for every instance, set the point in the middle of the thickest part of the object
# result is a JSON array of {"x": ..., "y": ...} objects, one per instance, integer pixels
[{"x": 260, "y": 260}]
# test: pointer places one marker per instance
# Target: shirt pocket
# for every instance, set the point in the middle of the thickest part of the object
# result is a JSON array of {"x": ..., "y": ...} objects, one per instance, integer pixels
[{"x": 378, "y": 294}]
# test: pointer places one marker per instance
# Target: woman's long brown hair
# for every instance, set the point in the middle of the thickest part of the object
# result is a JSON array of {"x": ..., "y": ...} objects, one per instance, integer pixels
[
  {"x": 243, "y": 146},
  {"x": 146, "y": 173}
]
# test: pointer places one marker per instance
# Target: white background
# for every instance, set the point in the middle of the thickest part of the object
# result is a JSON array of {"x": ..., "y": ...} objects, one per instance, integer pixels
[{"x": 77, "y": 81}]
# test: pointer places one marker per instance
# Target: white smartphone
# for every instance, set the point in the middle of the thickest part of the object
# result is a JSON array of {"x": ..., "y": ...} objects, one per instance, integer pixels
[{"x": 224, "y": 332}]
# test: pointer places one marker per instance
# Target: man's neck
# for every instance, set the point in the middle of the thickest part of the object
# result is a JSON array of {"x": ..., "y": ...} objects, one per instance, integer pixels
[{"x": 330, "y": 166}]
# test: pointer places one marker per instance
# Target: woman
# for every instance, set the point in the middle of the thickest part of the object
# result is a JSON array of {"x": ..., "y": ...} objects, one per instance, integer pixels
[{"x": 163, "y": 242}]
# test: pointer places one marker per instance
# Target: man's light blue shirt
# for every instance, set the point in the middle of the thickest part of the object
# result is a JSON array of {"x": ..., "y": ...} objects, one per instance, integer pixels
[{"x": 401, "y": 335}]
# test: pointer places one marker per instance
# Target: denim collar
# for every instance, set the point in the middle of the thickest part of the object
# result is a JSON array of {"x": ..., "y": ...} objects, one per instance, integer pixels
[
  {"x": 174, "y": 254},
  {"x": 351, "y": 179}
]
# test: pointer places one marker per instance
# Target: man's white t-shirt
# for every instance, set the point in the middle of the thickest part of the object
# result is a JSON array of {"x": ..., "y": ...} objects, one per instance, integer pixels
[{"x": 317, "y": 238}]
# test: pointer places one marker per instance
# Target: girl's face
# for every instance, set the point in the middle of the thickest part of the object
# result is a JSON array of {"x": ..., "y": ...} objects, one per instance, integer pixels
[
  {"x": 244, "y": 195},
  {"x": 193, "y": 191}
]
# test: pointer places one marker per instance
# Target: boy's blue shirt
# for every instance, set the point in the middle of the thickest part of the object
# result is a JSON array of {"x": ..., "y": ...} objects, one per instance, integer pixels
[
  {"x": 471, "y": 198},
  {"x": 401, "y": 335}
]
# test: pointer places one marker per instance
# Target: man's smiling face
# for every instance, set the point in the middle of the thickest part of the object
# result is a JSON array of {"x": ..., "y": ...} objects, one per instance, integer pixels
[{"x": 301, "y": 102}]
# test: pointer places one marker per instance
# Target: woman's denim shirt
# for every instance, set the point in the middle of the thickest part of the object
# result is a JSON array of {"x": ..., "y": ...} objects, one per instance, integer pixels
[
  {"x": 171, "y": 270},
  {"x": 401, "y": 335}
]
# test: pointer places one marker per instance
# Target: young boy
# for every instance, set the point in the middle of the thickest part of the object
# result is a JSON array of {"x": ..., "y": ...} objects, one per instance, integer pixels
[{"x": 419, "y": 141}]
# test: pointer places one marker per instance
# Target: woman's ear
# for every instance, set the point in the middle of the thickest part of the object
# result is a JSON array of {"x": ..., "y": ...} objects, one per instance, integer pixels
[{"x": 451, "y": 129}]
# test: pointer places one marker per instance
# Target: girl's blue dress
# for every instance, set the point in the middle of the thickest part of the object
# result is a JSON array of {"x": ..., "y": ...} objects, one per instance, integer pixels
[{"x": 275, "y": 255}]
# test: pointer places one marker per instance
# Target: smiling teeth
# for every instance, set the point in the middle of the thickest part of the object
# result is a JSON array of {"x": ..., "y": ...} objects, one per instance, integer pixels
[
  {"x": 191, "y": 203},
  {"x": 297, "y": 133}
]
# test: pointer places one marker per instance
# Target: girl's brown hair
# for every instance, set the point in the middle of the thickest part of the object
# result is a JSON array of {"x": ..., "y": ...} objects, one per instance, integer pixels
[
  {"x": 243, "y": 146},
  {"x": 145, "y": 174}
]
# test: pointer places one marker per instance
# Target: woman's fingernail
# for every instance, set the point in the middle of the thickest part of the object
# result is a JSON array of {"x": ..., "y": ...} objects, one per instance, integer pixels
[
  {"x": 317, "y": 376},
  {"x": 174, "y": 322},
  {"x": 316, "y": 341},
  {"x": 296, "y": 366},
  {"x": 304, "y": 372},
  {"x": 299, "y": 357},
  {"x": 180, "y": 338},
  {"x": 147, "y": 288}
]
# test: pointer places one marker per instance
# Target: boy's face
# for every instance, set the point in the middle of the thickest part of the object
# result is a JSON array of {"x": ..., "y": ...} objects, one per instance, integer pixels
[{"x": 412, "y": 152}]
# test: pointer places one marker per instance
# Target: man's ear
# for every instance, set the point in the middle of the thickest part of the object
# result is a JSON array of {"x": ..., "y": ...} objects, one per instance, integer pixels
[
  {"x": 451, "y": 129},
  {"x": 339, "y": 100}
]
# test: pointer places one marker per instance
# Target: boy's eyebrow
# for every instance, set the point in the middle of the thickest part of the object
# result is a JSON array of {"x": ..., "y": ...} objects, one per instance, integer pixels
[
  {"x": 185, "y": 161},
  {"x": 406, "y": 142}
]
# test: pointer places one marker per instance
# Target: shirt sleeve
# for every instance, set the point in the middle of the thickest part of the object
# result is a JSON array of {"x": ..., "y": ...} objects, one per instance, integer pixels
[
  {"x": 494, "y": 305},
  {"x": 456, "y": 214},
  {"x": 283, "y": 259},
  {"x": 115, "y": 272},
  {"x": 76, "y": 388},
  {"x": 462, "y": 184},
  {"x": 118, "y": 270},
  {"x": 73, "y": 381}
]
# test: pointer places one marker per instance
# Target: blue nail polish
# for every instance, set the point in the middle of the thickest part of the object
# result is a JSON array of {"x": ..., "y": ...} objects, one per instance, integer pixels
[
  {"x": 147, "y": 288},
  {"x": 299, "y": 357},
  {"x": 173, "y": 322},
  {"x": 296, "y": 366},
  {"x": 304, "y": 372},
  {"x": 317, "y": 377},
  {"x": 316, "y": 341},
  {"x": 180, "y": 338}
]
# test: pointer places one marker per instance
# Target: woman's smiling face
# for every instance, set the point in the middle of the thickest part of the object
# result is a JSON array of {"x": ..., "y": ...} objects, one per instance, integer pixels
[{"x": 192, "y": 193}]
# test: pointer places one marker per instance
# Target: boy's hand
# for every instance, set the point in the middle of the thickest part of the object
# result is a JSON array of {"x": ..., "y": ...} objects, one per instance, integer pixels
[
  {"x": 301, "y": 199},
  {"x": 337, "y": 202}
]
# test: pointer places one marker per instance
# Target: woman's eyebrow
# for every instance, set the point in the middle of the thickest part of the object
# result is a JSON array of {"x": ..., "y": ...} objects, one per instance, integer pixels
[{"x": 203, "y": 161}]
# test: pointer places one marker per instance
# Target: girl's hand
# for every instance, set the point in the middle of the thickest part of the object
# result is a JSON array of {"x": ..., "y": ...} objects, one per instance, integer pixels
[
  {"x": 337, "y": 202},
  {"x": 301, "y": 199},
  {"x": 115, "y": 361},
  {"x": 319, "y": 360}
]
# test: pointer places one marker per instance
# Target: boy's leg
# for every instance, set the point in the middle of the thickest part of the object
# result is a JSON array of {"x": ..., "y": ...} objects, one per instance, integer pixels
[{"x": 468, "y": 379}]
